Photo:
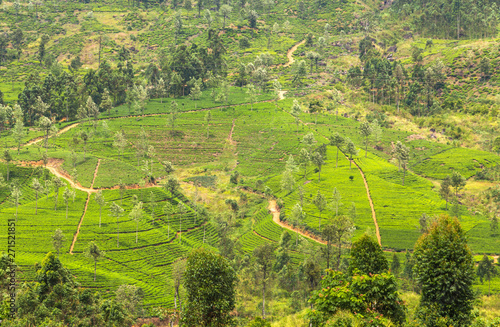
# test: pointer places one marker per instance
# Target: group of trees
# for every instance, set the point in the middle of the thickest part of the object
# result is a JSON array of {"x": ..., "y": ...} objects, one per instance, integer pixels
[
  {"x": 451, "y": 19},
  {"x": 55, "y": 298}
]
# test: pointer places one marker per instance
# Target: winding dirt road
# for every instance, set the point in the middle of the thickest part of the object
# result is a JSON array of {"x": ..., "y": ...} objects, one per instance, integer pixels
[{"x": 276, "y": 218}]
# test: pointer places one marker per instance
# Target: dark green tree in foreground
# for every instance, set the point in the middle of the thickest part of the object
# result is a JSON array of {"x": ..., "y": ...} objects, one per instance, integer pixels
[
  {"x": 367, "y": 257},
  {"x": 209, "y": 281},
  {"x": 486, "y": 270},
  {"x": 445, "y": 271},
  {"x": 374, "y": 297}
]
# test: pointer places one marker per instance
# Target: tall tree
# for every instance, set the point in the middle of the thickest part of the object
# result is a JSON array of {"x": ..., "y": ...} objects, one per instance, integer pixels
[
  {"x": 297, "y": 216},
  {"x": 168, "y": 211},
  {"x": 403, "y": 155},
  {"x": 337, "y": 141},
  {"x": 58, "y": 240},
  {"x": 8, "y": 158},
  {"x": 365, "y": 129},
  {"x": 336, "y": 198},
  {"x": 57, "y": 183},
  {"x": 67, "y": 195},
  {"x": 92, "y": 251},
  {"x": 264, "y": 257},
  {"x": 486, "y": 270},
  {"x": 367, "y": 256},
  {"x": 320, "y": 203},
  {"x": 304, "y": 159},
  {"x": 178, "y": 271},
  {"x": 37, "y": 187},
  {"x": 350, "y": 149},
  {"x": 225, "y": 11},
  {"x": 287, "y": 181},
  {"x": 342, "y": 228},
  {"x": 19, "y": 133},
  {"x": 120, "y": 142},
  {"x": 445, "y": 191},
  {"x": 136, "y": 215},
  {"x": 210, "y": 284},
  {"x": 317, "y": 160},
  {"x": 252, "y": 94},
  {"x": 116, "y": 211},
  {"x": 173, "y": 115},
  {"x": 15, "y": 196},
  {"x": 295, "y": 112},
  {"x": 457, "y": 182},
  {"x": 445, "y": 271},
  {"x": 99, "y": 199}
]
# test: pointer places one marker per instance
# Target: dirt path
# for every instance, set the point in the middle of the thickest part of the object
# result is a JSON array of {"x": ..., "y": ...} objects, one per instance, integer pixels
[
  {"x": 89, "y": 193},
  {"x": 374, "y": 216},
  {"x": 276, "y": 218},
  {"x": 230, "y": 137},
  {"x": 290, "y": 52},
  {"x": 61, "y": 131}
]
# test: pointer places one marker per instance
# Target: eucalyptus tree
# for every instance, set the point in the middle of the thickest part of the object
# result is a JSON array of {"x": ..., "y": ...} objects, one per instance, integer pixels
[
  {"x": 342, "y": 228},
  {"x": 317, "y": 159},
  {"x": 277, "y": 91},
  {"x": 168, "y": 211},
  {"x": 304, "y": 159},
  {"x": 99, "y": 199},
  {"x": 295, "y": 112},
  {"x": 8, "y": 158},
  {"x": 403, "y": 156},
  {"x": 16, "y": 195},
  {"x": 45, "y": 124},
  {"x": 19, "y": 133},
  {"x": 252, "y": 94},
  {"x": 180, "y": 211},
  {"x": 297, "y": 215},
  {"x": 120, "y": 142},
  {"x": 350, "y": 149},
  {"x": 264, "y": 257},
  {"x": 57, "y": 183},
  {"x": 92, "y": 251},
  {"x": 365, "y": 129},
  {"x": 287, "y": 181},
  {"x": 136, "y": 215},
  {"x": 336, "y": 200},
  {"x": 225, "y": 11},
  {"x": 116, "y": 211},
  {"x": 68, "y": 194},
  {"x": 58, "y": 240},
  {"x": 173, "y": 115},
  {"x": 337, "y": 141},
  {"x": 320, "y": 202}
]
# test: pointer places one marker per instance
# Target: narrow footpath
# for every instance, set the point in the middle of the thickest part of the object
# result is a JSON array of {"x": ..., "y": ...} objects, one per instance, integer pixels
[{"x": 89, "y": 193}]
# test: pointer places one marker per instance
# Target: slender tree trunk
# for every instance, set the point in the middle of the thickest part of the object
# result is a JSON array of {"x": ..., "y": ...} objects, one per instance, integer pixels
[
  {"x": 100, "y": 213},
  {"x": 95, "y": 268},
  {"x": 117, "y": 233},
  {"x": 136, "y": 231},
  {"x": 264, "y": 298},
  {"x": 339, "y": 254},
  {"x": 66, "y": 210},
  {"x": 320, "y": 221},
  {"x": 404, "y": 175}
]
